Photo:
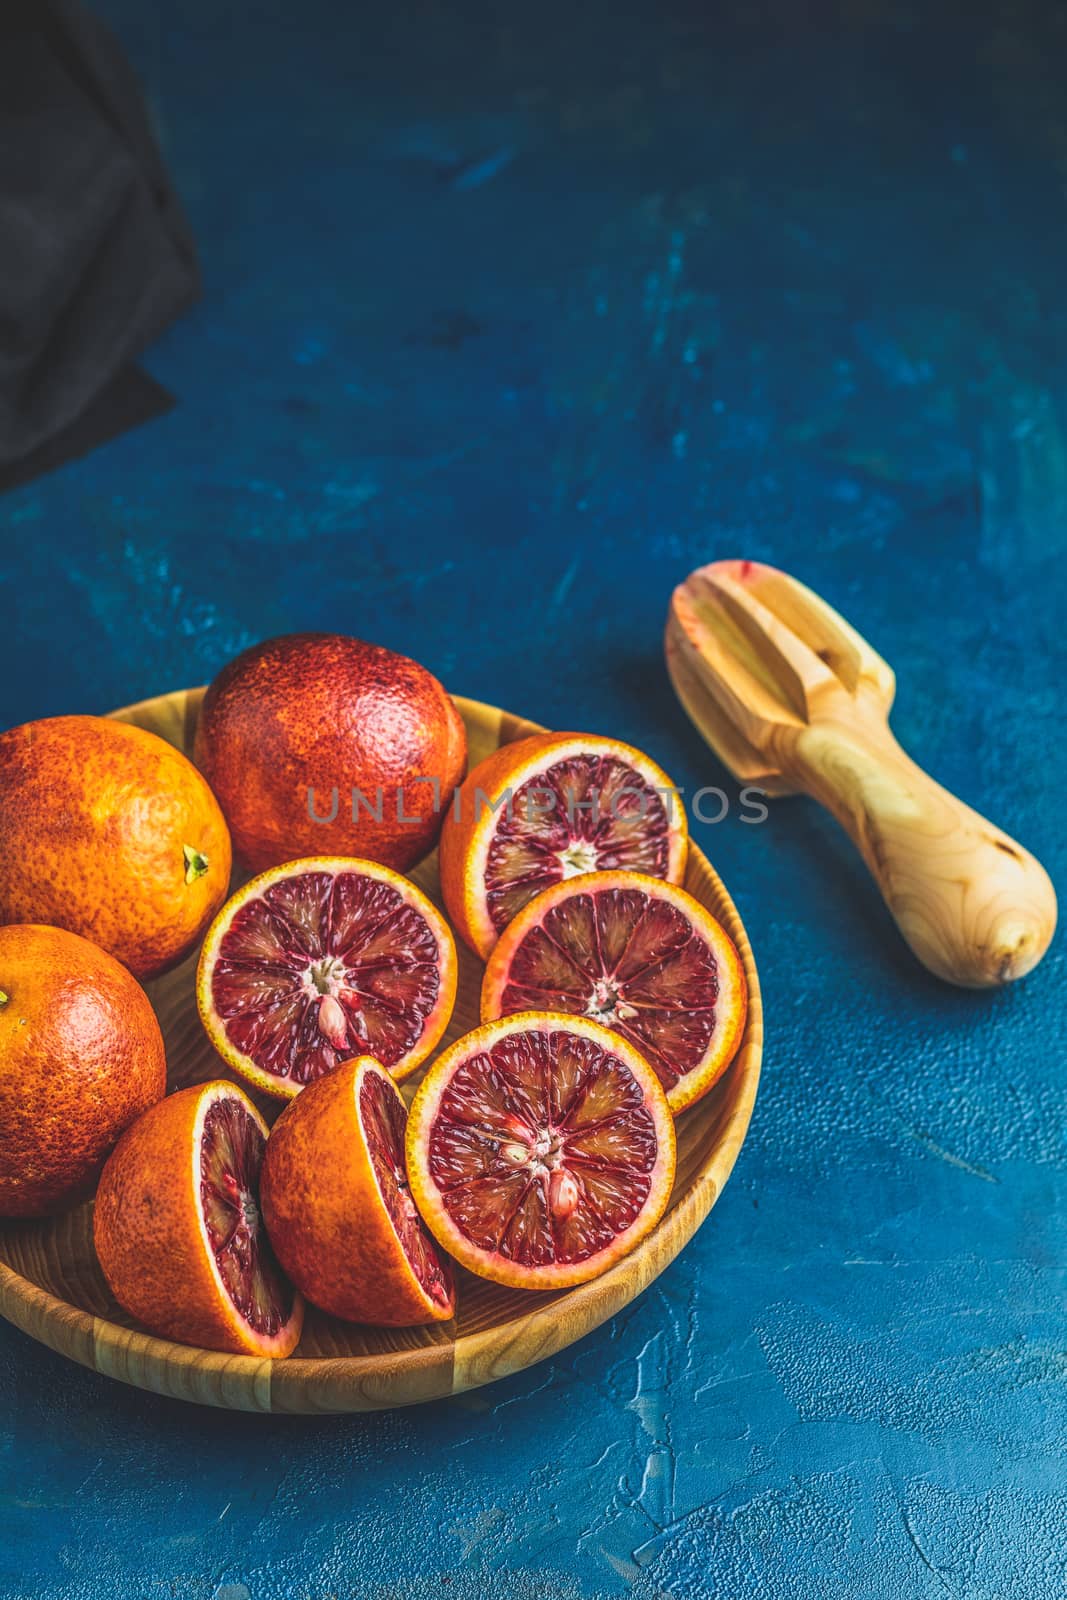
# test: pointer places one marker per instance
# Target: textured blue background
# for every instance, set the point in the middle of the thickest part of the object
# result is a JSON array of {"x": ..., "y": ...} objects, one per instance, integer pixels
[{"x": 507, "y": 325}]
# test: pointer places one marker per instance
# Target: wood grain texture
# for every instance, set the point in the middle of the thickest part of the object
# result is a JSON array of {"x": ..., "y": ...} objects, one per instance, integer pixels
[
  {"x": 52, "y": 1288},
  {"x": 793, "y": 699}
]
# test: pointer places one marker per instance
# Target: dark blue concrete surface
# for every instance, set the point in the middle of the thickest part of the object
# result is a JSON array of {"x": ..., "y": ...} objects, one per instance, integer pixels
[{"x": 507, "y": 325}]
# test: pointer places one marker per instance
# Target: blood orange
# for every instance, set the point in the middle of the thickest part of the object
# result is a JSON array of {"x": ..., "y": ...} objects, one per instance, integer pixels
[
  {"x": 107, "y": 830},
  {"x": 178, "y": 1230},
  {"x": 546, "y": 809},
  {"x": 637, "y": 954},
  {"x": 317, "y": 744},
  {"x": 81, "y": 1056},
  {"x": 319, "y": 960},
  {"x": 338, "y": 1209},
  {"x": 540, "y": 1150}
]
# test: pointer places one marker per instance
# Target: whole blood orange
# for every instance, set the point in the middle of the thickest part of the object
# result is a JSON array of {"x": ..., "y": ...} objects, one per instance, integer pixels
[
  {"x": 637, "y": 954},
  {"x": 320, "y": 960},
  {"x": 338, "y": 1209},
  {"x": 110, "y": 832},
  {"x": 540, "y": 1150},
  {"x": 81, "y": 1056},
  {"x": 178, "y": 1230},
  {"x": 317, "y": 744},
  {"x": 548, "y": 808}
]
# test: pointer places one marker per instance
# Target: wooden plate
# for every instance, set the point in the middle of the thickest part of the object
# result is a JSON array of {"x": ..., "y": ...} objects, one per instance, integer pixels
[{"x": 52, "y": 1288}]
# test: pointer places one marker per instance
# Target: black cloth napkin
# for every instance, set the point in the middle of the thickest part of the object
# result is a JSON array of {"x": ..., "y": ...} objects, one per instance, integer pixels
[{"x": 96, "y": 256}]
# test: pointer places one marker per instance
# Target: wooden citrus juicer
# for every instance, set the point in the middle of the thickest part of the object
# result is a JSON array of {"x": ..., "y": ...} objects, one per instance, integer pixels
[{"x": 792, "y": 699}]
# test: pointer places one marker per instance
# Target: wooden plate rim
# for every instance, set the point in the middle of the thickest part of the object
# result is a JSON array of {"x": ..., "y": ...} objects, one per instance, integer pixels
[{"x": 309, "y": 1384}]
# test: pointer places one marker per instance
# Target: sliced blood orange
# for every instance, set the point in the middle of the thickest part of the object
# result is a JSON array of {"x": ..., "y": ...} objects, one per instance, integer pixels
[
  {"x": 178, "y": 1230},
  {"x": 549, "y": 808},
  {"x": 540, "y": 1150},
  {"x": 338, "y": 1208},
  {"x": 320, "y": 960},
  {"x": 639, "y": 955}
]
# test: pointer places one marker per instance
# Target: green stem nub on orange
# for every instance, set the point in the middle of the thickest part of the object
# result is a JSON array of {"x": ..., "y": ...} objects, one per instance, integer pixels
[
  {"x": 4, "y": 998},
  {"x": 196, "y": 864}
]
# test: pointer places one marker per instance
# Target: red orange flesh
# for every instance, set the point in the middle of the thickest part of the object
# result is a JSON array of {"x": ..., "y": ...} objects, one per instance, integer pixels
[
  {"x": 338, "y": 1208},
  {"x": 178, "y": 1230},
  {"x": 641, "y": 956},
  {"x": 549, "y": 808},
  {"x": 322, "y": 959},
  {"x": 540, "y": 1150}
]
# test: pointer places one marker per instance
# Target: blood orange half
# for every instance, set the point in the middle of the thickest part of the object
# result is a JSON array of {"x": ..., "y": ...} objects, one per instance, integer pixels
[
  {"x": 549, "y": 808},
  {"x": 338, "y": 1208},
  {"x": 540, "y": 1150},
  {"x": 320, "y": 960},
  {"x": 178, "y": 1230},
  {"x": 639, "y": 955}
]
